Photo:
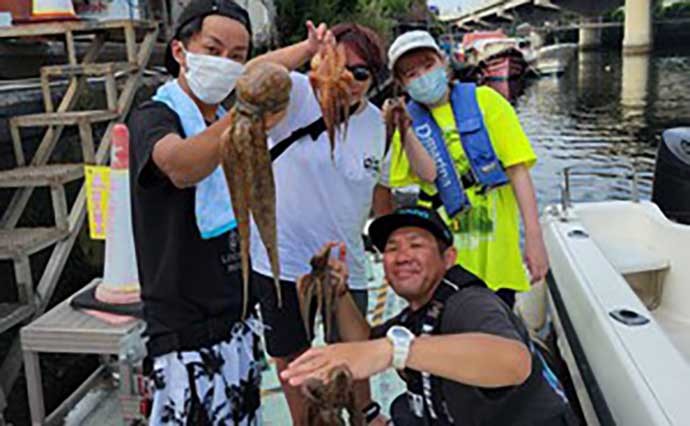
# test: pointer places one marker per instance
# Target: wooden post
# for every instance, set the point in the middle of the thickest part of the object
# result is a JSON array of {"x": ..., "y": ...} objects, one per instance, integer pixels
[
  {"x": 111, "y": 91},
  {"x": 57, "y": 193},
  {"x": 131, "y": 43},
  {"x": 17, "y": 144},
  {"x": 86, "y": 136},
  {"x": 34, "y": 386},
  {"x": 25, "y": 283},
  {"x": 45, "y": 89},
  {"x": 70, "y": 49}
]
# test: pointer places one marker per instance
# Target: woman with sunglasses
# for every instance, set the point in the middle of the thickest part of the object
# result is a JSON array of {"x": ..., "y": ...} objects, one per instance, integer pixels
[{"x": 321, "y": 199}]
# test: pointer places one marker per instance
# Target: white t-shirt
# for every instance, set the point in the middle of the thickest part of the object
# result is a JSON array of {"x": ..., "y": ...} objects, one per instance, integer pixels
[{"x": 319, "y": 199}]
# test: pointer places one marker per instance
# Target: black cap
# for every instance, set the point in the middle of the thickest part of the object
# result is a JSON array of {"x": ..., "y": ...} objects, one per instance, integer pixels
[
  {"x": 421, "y": 217},
  {"x": 201, "y": 9}
]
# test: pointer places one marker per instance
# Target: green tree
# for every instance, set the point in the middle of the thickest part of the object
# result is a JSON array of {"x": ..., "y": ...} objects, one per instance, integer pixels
[{"x": 381, "y": 15}]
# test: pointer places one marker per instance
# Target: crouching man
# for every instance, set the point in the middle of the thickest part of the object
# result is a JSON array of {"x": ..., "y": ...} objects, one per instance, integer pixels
[{"x": 465, "y": 358}]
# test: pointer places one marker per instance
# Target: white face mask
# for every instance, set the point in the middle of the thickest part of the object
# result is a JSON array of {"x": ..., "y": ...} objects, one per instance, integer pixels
[{"x": 211, "y": 78}]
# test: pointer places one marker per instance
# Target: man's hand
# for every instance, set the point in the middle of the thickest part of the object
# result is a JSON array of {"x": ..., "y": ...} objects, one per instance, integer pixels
[
  {"x": 536, "y": 257},
  {"x": 363, "y": 359},
  {"x": 318, "y": 37}
]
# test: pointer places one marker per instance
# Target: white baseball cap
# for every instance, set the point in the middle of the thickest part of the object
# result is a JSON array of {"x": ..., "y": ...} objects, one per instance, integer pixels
[{"x": 410, "y": 41}]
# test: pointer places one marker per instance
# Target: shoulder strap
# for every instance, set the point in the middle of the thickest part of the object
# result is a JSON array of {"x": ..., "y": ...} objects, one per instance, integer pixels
[{"x": 313, "y": 129}]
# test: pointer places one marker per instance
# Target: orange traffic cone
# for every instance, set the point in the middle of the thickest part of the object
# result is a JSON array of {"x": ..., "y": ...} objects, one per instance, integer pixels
[
  {"x": 48, "y": 10},
  {"x": 120, "y": 284}
]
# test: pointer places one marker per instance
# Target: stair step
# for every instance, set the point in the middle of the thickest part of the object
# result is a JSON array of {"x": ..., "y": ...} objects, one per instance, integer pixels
[
  {"x": 26, "y": 241},
  {"x": 12, "y": 314},
  {"x": 92, "y": 69},
  {"x": 47, "y": 175},
  {"x": 67, "y": 118}
]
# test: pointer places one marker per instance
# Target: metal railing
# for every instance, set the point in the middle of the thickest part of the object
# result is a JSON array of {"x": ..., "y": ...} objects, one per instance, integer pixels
[{"x": 586, "y": 170}]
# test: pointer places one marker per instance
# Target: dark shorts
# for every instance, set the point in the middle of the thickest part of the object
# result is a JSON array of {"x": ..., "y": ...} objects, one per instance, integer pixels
[
  {"x": 507, "y": 295},
  {"x": 285, "y": 334}
]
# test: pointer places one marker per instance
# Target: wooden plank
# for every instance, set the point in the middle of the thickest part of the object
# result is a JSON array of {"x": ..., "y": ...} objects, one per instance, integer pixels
[
  {"x": 17, "y": 145},
  {"x": 63, "y": 118},
  {"x": 47, "y": 175},
  {"x": 86, "y": 138},
  {"x": 111, "y": 91},
  {"x": 26, "y": 241},
  {"x": 69, "y": 48},
  {"x": 21, "y": 198},
  {"x": 131, "y": 44},
  {"x": 12, "y": 314},
  {"x": 57, "y": 416},
  {"x": 45, "y": 90},
  {"x": 10, "y": 366},
  {"x": 25, "y": 282},
  {"x": 34, "y": 387},
  {"x": 90, "y": 69},
  {"x": 57, "y": 193},
  {"x": 59, "y": 28}
]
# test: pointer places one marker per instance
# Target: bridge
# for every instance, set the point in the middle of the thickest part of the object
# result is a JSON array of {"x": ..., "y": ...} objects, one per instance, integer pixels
[{"x": 637, "y": 26}]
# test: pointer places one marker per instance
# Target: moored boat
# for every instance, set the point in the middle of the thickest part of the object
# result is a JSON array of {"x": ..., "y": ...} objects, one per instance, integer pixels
[
  {"x": 619, "y": 303},
  {"x": 497, "y": 56},
  {"x": 554, "y": 59}
]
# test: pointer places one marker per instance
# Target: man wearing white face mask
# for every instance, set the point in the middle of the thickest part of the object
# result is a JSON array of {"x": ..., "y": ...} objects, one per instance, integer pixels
[{"x": 187, "y": 248}]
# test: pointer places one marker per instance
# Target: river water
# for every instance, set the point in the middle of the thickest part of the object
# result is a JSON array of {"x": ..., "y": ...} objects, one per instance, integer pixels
[{"x": 605, "y": 110}]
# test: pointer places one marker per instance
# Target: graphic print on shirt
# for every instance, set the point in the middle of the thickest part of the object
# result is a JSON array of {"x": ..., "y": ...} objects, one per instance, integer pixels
[{"x": 372, "y": 165}]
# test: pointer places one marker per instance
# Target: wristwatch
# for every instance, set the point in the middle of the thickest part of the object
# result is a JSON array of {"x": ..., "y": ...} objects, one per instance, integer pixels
[{"x": 401, "y": 338}]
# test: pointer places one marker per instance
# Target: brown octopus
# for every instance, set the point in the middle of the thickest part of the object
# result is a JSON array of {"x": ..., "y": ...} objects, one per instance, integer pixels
[
  {"x": 326, "y": 402},
  {"x": 317, "y": 287},
  {"x": 331, "y": 82},
  {"x": 397, "y": 118},
  {"x": 262, "y": 90}
]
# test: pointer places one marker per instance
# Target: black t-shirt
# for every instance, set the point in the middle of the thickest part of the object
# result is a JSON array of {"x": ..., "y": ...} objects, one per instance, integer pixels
[
  {"x": 478, "y": 309},
  {"x": 185, "y": 280}
]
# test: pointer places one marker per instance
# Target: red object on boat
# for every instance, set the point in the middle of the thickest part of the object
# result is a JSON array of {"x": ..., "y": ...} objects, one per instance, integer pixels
[
  {"x": 504, "y": 66},
  {"x": 495, "y": 55},
  {"x": 469, "y": 39}
]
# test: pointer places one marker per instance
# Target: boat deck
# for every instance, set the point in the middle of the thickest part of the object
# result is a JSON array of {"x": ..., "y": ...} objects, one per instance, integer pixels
[{"x": 101, "y": 407}]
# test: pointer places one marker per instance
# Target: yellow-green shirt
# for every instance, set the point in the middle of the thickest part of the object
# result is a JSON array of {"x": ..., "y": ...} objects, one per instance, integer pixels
[{"x": 488, "y": 235}]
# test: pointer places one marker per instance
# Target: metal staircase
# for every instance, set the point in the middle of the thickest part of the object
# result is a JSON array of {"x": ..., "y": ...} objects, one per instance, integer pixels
[{"x": 17, "y": 244}]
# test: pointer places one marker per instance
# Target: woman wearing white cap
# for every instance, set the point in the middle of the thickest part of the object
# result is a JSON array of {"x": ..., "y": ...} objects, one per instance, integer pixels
[{"x": 475, "y": 165}]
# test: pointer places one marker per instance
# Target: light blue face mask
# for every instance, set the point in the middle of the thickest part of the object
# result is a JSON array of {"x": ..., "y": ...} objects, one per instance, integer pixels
[{"x": 429, "y": 88}]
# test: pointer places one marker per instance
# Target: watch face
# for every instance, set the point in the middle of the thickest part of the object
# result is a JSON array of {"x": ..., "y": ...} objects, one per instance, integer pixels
[{"x": 400, "y": 333}]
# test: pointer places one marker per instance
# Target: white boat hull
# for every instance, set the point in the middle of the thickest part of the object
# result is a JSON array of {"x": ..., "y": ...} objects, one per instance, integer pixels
[{"x": 598, "y": 254}]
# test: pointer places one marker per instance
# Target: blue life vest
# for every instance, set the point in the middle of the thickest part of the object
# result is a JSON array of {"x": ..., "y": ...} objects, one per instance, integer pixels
[{"x": 486, "y": 169}]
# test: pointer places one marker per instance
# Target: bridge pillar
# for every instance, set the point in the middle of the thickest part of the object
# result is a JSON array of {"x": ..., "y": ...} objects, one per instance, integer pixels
[
  {"x": 635, "y": 85},
  {"x": 638, "y": 26},
  {"x": 590, "y": 38}
]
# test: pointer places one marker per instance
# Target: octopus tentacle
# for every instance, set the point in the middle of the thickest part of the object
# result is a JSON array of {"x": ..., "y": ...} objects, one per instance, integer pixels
[{"x": 263, "y": 88}]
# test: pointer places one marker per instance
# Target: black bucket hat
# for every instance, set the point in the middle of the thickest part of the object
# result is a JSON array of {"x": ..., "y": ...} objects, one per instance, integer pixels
[
  {"x": 201, "y": 9},
  {"x": 422, "y": 217}
]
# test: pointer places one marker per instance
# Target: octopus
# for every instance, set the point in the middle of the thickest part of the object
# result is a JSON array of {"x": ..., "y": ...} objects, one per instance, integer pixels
[
  {"x": 317, "y": 287},
  {"x": 326, "y": 401},
  {"x": 397, "y": 118},
  {"x": 331, "y": 82},
  {"x": 263, "y": 90}
]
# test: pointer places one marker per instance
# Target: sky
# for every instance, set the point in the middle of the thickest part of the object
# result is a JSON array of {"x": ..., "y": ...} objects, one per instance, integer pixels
[{"x": 448, "y": 6}]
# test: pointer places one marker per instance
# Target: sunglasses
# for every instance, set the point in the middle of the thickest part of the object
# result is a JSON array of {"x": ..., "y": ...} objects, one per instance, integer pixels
[{"x": 359, "y": 72}]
